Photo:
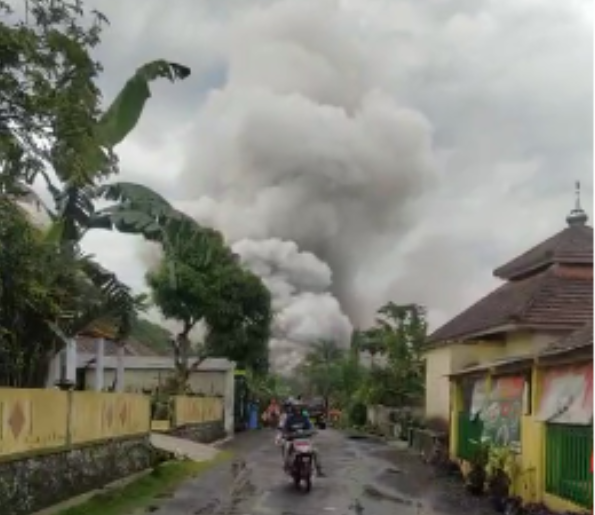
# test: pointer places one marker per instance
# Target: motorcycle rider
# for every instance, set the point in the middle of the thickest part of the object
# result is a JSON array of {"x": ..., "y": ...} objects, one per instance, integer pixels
[
  {"x": 297, "y": 421},
  {"x": 282, "y": 418}
]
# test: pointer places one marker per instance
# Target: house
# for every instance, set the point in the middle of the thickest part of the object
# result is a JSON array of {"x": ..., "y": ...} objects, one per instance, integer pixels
[
  {"x": 96, "y": 343},
  {"x": 93, "y": 361},
  {"x": 548, "y": 293},
  {"x": 539, "y": 406},
  {"x": 516, "y": 369}
]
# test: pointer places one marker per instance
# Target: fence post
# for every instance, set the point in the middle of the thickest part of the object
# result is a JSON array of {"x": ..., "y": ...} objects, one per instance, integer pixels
[
  {"x": 172, "y": 409},
  {"x": 69, "y": 410}
]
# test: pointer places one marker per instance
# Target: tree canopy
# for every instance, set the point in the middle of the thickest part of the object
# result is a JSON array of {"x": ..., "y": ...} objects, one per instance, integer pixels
[
  {"x": 52, "y": 127},
  {"x": 398, "y": 335},
  {"x": 200, "y": 280}
]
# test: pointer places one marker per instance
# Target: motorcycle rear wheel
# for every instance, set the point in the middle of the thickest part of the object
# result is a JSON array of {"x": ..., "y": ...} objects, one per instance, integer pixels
[{"x": 308, "y": 481}]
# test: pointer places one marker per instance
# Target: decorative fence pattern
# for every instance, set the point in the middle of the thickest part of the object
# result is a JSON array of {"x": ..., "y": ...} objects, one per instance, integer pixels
[
  {"x": 100, "y": 416},
  {"x": 197, "y": 410},
  {"x": 469, "y": 433},
  {"x": 33, "y": 420},
  {"x": 568, "y": 453}
]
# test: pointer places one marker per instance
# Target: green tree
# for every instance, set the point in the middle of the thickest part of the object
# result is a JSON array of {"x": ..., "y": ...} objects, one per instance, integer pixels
[
  {"x": 238, "y": 318},
  {"x": 322, "y": 368},
  {"x": 400, "y": 332},
  {"x": 232, "y": 302},
  {"x": 44, "y": 292},
  {"x": 50, "y": 120}
]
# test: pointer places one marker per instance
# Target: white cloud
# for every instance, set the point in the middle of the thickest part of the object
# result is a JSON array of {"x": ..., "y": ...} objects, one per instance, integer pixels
[{"x": 352, "y": 93}]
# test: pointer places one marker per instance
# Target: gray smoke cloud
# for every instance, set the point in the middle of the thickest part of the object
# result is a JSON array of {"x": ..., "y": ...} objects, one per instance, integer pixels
[
  {"x": 299, "y": 145},
  {"x": 305, "y": 311}
]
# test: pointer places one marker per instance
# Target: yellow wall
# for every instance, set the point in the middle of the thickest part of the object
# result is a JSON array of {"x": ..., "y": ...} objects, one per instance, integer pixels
[
  {"x": 31, "y": 420},
  {"x": 530, "y": 481},
  {"x": 99, "y": 416},
  {"x": 438, "y": 366},
  {"x": 195, "y": 410},
  {"x": 525, "y": 342},
  {"x": 442, "y": 361},
  {"x": 36, "y": 420},
  {"x": 476, "y": 353}
]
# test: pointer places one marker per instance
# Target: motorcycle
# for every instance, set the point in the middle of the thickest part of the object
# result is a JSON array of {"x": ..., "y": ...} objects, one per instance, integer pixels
[{"x": 299, "y": 464}]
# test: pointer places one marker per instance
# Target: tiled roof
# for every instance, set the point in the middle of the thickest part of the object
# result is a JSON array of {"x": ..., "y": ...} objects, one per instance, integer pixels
[
  {"x": 100, "y": 330},
  {"x": 571, "y": 245},
  {"x": 582, "y": 337},
  {"x": 86, "y": 345},
  {"x": 559, "y": 298}
]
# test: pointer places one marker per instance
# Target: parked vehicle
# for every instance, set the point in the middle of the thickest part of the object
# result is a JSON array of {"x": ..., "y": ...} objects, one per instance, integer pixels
[{"x": 317, "y": 413}]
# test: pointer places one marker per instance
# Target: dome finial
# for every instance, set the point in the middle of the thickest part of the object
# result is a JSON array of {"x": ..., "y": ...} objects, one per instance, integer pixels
[{"x": 577, "y": 216}]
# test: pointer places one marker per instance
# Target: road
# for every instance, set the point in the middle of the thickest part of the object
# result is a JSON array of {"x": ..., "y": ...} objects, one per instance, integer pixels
[{"x": 363, "y": 477}]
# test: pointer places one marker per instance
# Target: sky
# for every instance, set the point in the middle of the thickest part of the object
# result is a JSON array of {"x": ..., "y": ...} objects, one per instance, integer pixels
[{"x": 359, "y": 151}]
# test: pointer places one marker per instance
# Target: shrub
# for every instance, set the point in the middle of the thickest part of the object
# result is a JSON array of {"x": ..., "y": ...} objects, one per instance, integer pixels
[{"x": 358, "y": 414}]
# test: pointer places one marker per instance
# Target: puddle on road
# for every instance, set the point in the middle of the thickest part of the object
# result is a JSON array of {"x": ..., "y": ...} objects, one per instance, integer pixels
[{"x": 382, "y": 495}]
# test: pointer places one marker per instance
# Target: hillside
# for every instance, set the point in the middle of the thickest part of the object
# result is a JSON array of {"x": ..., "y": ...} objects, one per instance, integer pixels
[{"x": 152, "y": 335}]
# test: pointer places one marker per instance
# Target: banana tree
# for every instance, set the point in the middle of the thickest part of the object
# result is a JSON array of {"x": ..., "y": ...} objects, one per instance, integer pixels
[
  {"x": 140, "y": 208},
  {"x": 49, "y": 121}
]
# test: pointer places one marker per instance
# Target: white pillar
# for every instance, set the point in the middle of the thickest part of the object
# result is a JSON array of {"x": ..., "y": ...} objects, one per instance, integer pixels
[
  {"x": 54, "y": 370},
  {"x": 229, "y": 401},
  {"x": 71, "y": 361},
  {"x": 120, "y": 368},
  {"x": 99, "y": 363}
]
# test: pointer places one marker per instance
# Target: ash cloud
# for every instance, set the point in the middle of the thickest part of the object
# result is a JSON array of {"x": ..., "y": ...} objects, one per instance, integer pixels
[
  {"x": 299, "y": 145},
  {"x": 305, "y": 311},
  {"x": 503, "y": 83}
]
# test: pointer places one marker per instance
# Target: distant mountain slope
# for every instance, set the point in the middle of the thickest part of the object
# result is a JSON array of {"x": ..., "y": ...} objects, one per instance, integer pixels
[{"x": 151, "y": 335}]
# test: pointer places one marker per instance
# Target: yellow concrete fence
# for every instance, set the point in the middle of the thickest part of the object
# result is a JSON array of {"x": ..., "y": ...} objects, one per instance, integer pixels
[
  {"x": 32, "y": 420},
  {"x": 100, "y": 416},
  {"x": 196, "y": 410},
  {"x": 35, "y": 420}
]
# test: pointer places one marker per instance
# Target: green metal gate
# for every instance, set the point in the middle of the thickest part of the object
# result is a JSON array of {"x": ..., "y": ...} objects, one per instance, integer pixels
[
  {"x": 469, "y": 433},
  {"x": 568, "y": 454}
]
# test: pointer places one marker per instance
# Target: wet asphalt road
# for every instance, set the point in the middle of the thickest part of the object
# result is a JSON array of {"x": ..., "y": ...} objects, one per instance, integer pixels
[{"x": 360, "y": 480}]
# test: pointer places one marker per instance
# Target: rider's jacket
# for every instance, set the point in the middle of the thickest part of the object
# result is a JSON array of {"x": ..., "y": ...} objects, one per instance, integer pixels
[{"x": 295, "y": 423}]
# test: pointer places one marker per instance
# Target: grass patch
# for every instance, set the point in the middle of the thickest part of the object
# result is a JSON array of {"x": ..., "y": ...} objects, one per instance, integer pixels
[{"x": 146, "y": 492}]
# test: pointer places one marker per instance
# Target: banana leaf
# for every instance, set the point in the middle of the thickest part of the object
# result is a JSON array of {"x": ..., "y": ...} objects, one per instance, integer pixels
[{"x": 125, "y": 111}]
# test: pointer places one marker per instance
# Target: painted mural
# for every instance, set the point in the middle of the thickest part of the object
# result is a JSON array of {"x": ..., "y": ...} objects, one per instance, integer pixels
[
  {"x": 568, "y": 395},
  {"x": 502, "y": 412},
  {"x": 479, "y": 398}
]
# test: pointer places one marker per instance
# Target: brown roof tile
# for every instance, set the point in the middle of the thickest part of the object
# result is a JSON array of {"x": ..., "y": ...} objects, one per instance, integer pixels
[
  {"x": 571, "y": 245},
  {"x": 582, "y": 337},
  {"x": 556, "y": 298}
]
